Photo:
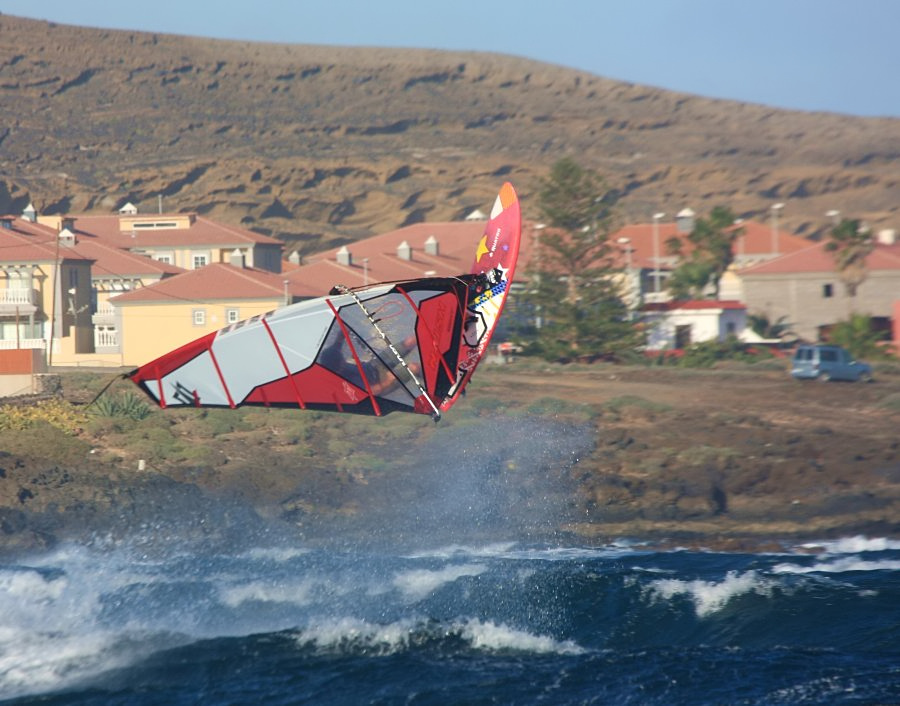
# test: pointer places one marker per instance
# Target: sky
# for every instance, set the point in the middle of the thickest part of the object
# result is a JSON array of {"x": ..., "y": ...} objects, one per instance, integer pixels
[{"x": 834, "y": 55}]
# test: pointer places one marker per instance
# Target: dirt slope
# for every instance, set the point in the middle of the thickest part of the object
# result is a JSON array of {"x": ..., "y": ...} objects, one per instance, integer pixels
[{"x": 321, "y": 144}]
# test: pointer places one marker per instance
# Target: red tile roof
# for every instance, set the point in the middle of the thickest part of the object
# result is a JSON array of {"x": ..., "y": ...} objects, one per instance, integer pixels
[
  {"x": 114, "y": 262},
  {"x": 217, "y": 282},
  {"x": 107, "y": 259},
  {"x": 815, "y": 258},
  {"x": 757, "y": 240},
  {"x": 29, "y": 242},
  {"x": 202, "y": 232},
  {"x": 694, "y": 305},
  {"x": 375, "y": 259}
]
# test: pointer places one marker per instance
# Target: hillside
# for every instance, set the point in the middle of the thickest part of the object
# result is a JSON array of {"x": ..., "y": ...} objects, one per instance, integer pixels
[{"x": 318, "y": 144}]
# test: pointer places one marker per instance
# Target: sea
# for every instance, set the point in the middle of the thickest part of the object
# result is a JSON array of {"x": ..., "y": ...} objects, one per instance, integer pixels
[{"x": 125, "y": 621}]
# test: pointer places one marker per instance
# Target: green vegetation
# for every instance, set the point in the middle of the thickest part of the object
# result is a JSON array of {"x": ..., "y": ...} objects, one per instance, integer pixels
[
  {"x": 57, "y": 413},
  {"x": 127, "y": 405},
  {"x": 713, "y": 252},
  {"x": 573, "y": 309},
  {"x": 850, "y": 243},
  {"x": 764, "y": 327},
  {"x": 857, "y": 335},
  {"x": 622, "y": 402}
]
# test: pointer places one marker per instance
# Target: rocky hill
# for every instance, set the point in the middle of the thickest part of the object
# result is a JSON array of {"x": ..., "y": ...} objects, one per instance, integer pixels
[{"x": 318, "y": 145}]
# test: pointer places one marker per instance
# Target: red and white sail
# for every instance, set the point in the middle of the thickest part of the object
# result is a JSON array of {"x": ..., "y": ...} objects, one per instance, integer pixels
[{"x": 409, "y": 346}]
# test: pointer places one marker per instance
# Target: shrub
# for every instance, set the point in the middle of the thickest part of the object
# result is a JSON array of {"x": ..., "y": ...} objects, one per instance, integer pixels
[
  {"x": 127, "y": 405},
  {"x": 56, "y": 412}
]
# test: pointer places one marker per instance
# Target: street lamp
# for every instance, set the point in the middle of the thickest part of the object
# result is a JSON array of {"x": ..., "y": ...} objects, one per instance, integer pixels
[
  {"x": 629, "y": 278},
  {"x": 656, "y": 218},
  {"x": 538, "y": 227},
  {"x": 775, "y": 209}
]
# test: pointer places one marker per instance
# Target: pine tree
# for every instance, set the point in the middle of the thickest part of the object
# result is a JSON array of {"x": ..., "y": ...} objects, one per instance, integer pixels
[{"x": 576, "y": 305}]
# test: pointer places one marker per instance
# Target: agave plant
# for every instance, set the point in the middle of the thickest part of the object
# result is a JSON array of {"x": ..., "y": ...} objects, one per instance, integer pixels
[{"x": 127, "y": 405}]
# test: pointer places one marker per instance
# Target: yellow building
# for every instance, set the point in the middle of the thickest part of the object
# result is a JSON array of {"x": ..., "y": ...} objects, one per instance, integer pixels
[
  {"x": 161, "y": 317},
  {"x": 45, "y": 292},
  {"x": 100, "y": 257}
]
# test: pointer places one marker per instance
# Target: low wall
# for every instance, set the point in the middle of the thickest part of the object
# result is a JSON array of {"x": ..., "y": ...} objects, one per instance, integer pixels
[{"x": 18, "y": 361}]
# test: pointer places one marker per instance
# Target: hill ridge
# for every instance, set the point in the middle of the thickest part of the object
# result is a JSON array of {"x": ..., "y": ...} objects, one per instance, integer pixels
[{"x": 316, "y": 144}]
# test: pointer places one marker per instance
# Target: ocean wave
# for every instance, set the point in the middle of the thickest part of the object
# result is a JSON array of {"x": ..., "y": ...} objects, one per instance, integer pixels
[
  {"x": 352, "y": 636},
  {"x": 417, "y": 584},
  {"x": 852, "y": 545},
  {"x": 514, "y": 551},
  {"x": 30, "y": 585},
  {"x": 838, "y": 566},
  {"x": 267, "y": 591},
  {"x": 710, "y": 597}
]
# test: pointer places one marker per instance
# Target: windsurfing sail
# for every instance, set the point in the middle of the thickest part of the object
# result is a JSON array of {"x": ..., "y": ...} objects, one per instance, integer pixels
[{"x": 398, "y": 346}]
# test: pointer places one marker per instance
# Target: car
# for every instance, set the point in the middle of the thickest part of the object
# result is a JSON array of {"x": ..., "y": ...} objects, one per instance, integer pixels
[{"x": 823, "y": 362}]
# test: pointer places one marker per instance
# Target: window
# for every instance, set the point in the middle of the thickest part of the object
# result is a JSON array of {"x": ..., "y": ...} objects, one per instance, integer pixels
[
  {"x": 166, "y": 258},
  {"x": 199, "y": 260},
  {"x": 232, "y": 315},
  {"x": 827, "y": 291},
  {"x": 199, "y": 316}
]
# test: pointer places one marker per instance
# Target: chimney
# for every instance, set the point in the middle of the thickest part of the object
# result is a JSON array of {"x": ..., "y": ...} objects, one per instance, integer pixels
[
  {"x": 237, "y": 258},
  {"x": 404, "y": 252},
  {"x": 684, "y": 221},
  {"x": 29, "y": 214},
  {"x": 431, "y": 246},
  {"x": 344, "y": 257},
  {"x": 67, "y": 238},
  {"x": 887, "y": 236}
]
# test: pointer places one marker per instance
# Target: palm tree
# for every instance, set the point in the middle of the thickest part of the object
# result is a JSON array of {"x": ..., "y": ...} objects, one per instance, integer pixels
[{"x": 850, "y": 244}]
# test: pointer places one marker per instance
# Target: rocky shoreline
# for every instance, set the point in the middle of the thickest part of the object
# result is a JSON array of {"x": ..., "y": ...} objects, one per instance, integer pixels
[{"x": 738, "y": 458}]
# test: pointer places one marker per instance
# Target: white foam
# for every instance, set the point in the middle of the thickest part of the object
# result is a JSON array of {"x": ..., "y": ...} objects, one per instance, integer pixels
[
  {"x": 510, "y": 550},
  {"x": 837, "y": 566},
  {"x": 496, "y": 549},
  {"x": 41, "y": 661},
  {"x": 31, "y": 586},
  {"x": 854, "y": 545},
  {"x": 291, "y": 592},
  {"x": 355, "y": 635},
  {"x": 277, "y": 554},
  {"x": 487, "y": 635},
  {"x": 710, "y": 596},
  {"x": 420, "y": 583}
]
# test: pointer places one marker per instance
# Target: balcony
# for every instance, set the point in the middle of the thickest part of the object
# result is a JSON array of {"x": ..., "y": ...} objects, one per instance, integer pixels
[
  {"x": 17, "y": 301},
  {"x": 106, "y": 339},
  {"x": 105, "y": 314},
  {"x": 9, "y": 344}
]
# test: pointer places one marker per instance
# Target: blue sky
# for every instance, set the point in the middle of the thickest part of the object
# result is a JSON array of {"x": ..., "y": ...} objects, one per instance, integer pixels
[{"x": 836, "y": 55}]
